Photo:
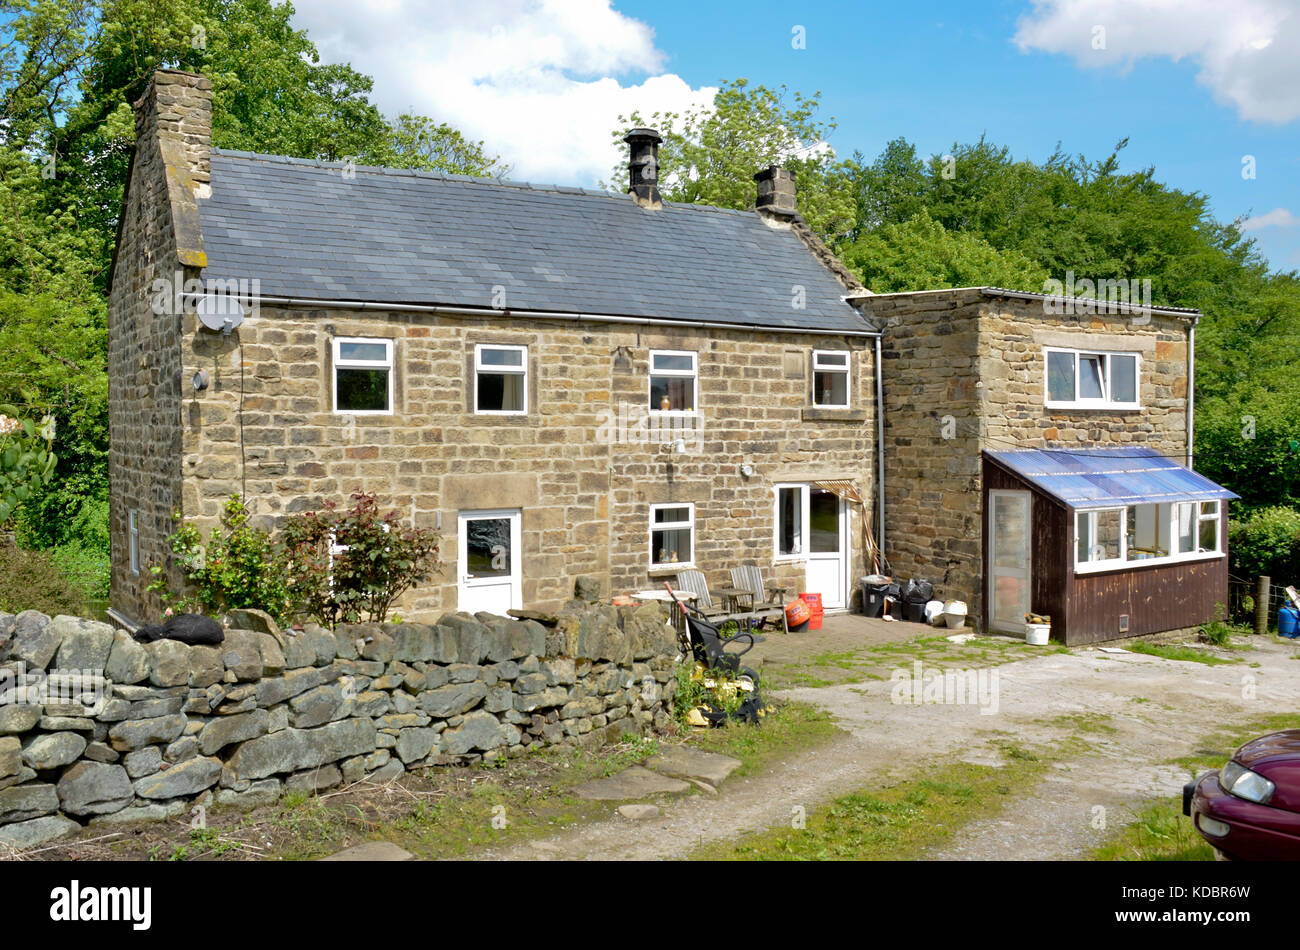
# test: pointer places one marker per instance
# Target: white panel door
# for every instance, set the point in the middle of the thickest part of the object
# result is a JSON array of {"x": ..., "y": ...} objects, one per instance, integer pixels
[
  {"x": 489, "y": 561},
  {"x": 1010, "y": 517},
  {"x": 828, "y": 548}
]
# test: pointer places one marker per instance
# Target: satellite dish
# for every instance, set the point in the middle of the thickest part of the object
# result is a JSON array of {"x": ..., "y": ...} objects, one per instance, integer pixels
[{"x": 221, "y": 312}]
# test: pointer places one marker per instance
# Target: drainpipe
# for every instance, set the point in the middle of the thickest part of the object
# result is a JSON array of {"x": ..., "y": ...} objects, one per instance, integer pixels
[
  {"x": 880, "y": 457},
  {"x": 1191, "y": 386}
]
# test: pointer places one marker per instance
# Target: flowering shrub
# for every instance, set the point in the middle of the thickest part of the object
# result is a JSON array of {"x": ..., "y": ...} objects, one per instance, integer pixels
[
  {"x": 332, "y": 566},
  {"x": 26, "y": 459},
  {"x": 347, "y": 566}
]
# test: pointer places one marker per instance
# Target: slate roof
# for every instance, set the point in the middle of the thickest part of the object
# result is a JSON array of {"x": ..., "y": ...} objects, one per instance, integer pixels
[
  {"x": 1096, "y": 478},
  {"x": 304, "y": 229}
]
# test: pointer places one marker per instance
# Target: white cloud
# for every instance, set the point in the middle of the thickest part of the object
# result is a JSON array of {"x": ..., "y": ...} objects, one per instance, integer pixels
[
  {"x": 1277, "y": 218},
  {"x": 1248, "y": 51},
  {"x": 541, "y": 82}
]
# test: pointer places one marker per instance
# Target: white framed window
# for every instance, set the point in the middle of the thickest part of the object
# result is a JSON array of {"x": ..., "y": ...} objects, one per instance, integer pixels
[
  {"x": 790, "y": 540},
  {"x": 674, "y": 381},
  {"x": 672, "y": 535},
  {"x": 1209, "y": 524},
  {"x": 133, "y": 540},
  {"x": 363, "y": 376},
  {"x": 830, "y": 379},
  {"x": 1078, "y": 379},
  {"x": 500, "y": 379},
  {"x": 1151, "y": 533}
]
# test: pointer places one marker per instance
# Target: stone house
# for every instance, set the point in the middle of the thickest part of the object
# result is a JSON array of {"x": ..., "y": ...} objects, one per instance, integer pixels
[
  {"x": 565, "y": 382},
  {"x": 561, "y": 382}
]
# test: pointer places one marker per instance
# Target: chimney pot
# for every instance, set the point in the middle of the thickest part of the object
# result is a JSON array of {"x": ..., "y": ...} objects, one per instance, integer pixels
[
  {"x": 643, "y": 167},
  {"x": 776, "y": 192}
]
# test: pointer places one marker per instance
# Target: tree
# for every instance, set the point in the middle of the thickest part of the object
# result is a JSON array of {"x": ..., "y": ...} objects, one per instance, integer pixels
[
  {"x": 417, "y": 142},
  {"x": 709, "y": 156},
  {"x": 921, "y": 254}
]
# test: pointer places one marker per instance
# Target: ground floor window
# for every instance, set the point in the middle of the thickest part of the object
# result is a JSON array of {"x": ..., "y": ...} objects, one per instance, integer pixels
[
  {"x": 1168, "y": 531},
  {"x": 672, "y": 535}
]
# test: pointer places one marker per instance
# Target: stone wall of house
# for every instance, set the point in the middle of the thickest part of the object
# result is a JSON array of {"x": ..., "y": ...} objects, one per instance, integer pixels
[
  {"x": 159, "y": 239},
  {"x": 97, "y": 728},
  {"x": 576, "y": 464},
  {"x": 964, "y": 372}
]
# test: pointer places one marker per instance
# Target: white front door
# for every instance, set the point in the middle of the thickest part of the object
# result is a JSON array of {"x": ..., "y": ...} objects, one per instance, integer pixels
[
  {"x": 828, "y": 548},
  {"x": 1010, "y": 546},
  {"x": 489, "y": 561}
]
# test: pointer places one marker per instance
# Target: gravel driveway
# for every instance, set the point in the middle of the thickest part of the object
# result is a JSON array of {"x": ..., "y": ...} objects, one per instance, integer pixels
[{"x": 1155, "y": 710}]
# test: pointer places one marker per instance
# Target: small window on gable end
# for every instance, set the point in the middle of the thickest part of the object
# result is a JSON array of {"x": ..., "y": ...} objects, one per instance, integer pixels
[
  {"x": 831, "y": 379},
  {"x": 363, "y": 375},
  {"x": 500, "y": 379},
  {"x": 133, "y": 540}
]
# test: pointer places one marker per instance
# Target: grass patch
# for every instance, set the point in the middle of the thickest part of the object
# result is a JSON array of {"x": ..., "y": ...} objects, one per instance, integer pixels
[
  {"x": 899, "y": 822},
  {"x": 1161, "y": 832},
  {"x": 790, "y": 729},
  {"x": 1171, "y": 652}
]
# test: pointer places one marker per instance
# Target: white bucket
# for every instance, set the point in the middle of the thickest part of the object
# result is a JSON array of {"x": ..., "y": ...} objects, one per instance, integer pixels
[
  {"x": 954, "y": 614},
  {"x": 1037, "y": 634},
  {"x": 934, "y": 612}
]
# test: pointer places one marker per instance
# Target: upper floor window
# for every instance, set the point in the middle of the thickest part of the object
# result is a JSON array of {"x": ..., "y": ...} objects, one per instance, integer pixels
[
  {"x": 831, "y": 379},
  {"x": 1077, "y": 379},
  {"x": 500, "y": 379},
  {"x": 363, "y": 375},
  {"x": 674, "y": 378}
]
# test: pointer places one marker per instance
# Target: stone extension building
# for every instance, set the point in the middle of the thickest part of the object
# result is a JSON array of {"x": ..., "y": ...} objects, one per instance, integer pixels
[{"x": 565, "y": 382}]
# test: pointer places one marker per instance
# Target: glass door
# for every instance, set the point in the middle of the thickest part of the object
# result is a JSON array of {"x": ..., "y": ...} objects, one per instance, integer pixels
[{"x": 1009, "y": 556}]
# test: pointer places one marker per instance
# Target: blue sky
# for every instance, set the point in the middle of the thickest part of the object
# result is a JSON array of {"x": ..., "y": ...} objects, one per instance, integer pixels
[{"x": 1195, "y": 91}]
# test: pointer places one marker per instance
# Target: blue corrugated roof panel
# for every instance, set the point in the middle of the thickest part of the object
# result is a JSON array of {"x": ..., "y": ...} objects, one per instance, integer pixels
[{"x": 1098, "y": 478}]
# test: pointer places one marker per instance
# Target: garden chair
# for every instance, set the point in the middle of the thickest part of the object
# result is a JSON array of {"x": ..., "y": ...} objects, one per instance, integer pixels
[
  {"x": 697, "y": 584},
  {"x": 749, "y": 577}
]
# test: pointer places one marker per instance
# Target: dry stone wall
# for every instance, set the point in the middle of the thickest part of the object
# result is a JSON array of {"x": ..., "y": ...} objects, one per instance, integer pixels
[{"x": 96, "y": 728}]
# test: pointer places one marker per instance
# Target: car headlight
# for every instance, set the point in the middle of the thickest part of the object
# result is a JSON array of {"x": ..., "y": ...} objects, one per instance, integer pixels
[{"x": 1244, "y": 783}]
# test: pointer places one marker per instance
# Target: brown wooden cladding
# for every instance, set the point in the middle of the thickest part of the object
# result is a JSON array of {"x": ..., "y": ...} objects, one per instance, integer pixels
[{"x": 1086, "y": 608}]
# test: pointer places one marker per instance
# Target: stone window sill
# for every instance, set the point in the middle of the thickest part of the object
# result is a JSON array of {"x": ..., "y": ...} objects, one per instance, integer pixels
[{"x": 811, "y": 414}]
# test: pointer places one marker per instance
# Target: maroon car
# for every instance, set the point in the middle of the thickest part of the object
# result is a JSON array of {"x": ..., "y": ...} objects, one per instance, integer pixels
[{"x": 1249, "y": 810}]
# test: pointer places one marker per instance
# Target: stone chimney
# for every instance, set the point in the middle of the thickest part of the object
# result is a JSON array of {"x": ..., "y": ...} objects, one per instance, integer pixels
[
  {"x": 173, "y": 128},
  {"x": 643, "y": 165},
  {"x": 776, "y": 193}
]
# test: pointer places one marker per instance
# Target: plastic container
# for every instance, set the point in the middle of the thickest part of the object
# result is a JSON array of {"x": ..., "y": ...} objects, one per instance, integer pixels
[
  {"x": 954, "y": 614},
  {"x": 873, "y": 597},
  {"x": 934, "y": 612},
  {"x": 797, "y": 613},
  {"x": 1037, "y": 634},
  {"x": 914, "y": 612},
  {"x": 1288, "y": 622},
  {"x": 815, "y": 610}
]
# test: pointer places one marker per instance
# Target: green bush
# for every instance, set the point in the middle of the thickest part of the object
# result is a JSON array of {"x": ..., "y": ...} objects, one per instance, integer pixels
[
  {"x": 345, "y": 566},
  {"x": 1266, "y": 541},
  {"x": 239, "y": 567},
  {"x": 34, "y": 580},
  {"x": 331, "y": 566}
]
